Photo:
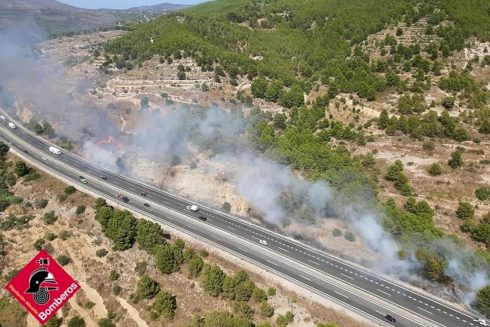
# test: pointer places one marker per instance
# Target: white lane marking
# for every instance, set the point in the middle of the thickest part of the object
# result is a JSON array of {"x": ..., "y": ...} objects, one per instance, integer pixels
[
  {"x": 379, "y": 312},
  {"x": 383, "y": 292},
  {"x": 347, "y": 276},
  {"x": 283, "y": 249},
  {"x": 424, "y": 310},
  {"x": 304, "y": 277},
  {"x": 341, "y": 294},
  {"x": 316, "y": 263}
]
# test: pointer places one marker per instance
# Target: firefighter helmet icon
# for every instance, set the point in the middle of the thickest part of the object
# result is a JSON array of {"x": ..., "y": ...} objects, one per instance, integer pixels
[{"x": 41, "y": 282}]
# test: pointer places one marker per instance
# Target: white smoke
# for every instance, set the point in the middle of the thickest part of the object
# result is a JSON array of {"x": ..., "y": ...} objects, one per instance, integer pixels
[{"x": 274, "y": 190}]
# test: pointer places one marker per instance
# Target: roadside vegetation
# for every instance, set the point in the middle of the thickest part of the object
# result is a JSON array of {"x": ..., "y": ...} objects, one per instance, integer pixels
[
  {"x": 125, "y": 231},
  {"x": 288, "y": 52}
]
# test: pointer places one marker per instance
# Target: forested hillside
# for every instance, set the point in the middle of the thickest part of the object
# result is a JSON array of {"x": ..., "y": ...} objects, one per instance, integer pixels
[
  {"x": 308, "y": 55},
  {"x": 299, "y": 42}
]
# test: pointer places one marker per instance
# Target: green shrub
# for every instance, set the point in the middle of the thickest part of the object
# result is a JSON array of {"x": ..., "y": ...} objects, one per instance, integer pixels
[
  {"x": 18, "y": 223},
  {"x": 106, "y": 322},
  {"x": 483, "y": 193},
  {"x": 147, "y": 288},
  {"x": 116, "y": 290},
  {"x": 243, "y": 309},
  {"x": 164, "y": 305},
  {"x": 32, "y": 176},
  {"x": 63, "y": 260},
  {"x": 64, "y": 235},
  {"x": 271, "y": 291},
  {"x": 226, "y": 207},
  {"x": 21, "y": 168},
  {"x": 62, "y": 198},
  {"x": 39, "y": 243},
  {"x": 428, "y": 145},
  {"x": 349, "y": 236},
  {"x": 76, "y": 322},
  {"x": 259, "y": 295},
  {"x": 435, "y": 169},
  {"x": 89, "y": 305},
  {"x": 336, "y": 232},
  {"x": 483, "y": 300},
  {"x": 456, "y": 160},
  {"x": 70, "y": 190},
  {"x": 101, "y": 253},
  {"x": 284, "y": 320},
  {"x": 50, "y": 236},
  {"x": 465, "y": 210},
  {"x": 49, "y": 218},
  {"x": 114, "y": 275},
  {"x": 80, "y": 210},
  {"x": 41, "y": 203},
  {"x": 266, "y": 309}
]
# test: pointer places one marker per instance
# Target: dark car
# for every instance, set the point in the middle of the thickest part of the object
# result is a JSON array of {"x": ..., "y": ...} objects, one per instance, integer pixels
[
  {"x": 103, "y": 177},
  {"x": 203, "y": 218},
  {"x": 147, "y": 205},
  {"x": 123, "y": 198},
  {"x": 143, "y": 194},
  {"x": 390, "y": 318},
  {"x": 25, "y": 151}
]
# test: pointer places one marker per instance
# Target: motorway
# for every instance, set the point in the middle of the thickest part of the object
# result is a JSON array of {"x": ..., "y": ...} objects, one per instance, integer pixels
[{"x": 357, "y": 289}]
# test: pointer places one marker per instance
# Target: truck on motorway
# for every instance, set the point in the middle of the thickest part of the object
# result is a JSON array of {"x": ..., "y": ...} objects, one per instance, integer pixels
[
  {"x": 192, "y": 207},
  {"x": 54, "y": 150},
  {"x": 12, "y": 126}
]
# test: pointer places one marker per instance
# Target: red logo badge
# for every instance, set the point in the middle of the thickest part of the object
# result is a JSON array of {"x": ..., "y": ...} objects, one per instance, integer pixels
[{"x": 42, "y": 287}]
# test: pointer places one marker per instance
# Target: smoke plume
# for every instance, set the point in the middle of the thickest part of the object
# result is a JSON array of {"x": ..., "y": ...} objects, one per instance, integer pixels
[{"x": 274, "y": 190}]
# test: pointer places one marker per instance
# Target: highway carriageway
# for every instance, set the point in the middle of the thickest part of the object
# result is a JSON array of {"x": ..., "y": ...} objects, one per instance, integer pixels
[{"x": 355, "y": 288}]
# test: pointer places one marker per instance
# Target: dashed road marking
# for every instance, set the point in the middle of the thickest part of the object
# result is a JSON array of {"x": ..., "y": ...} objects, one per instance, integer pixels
[{"x": 424, "y": 310}]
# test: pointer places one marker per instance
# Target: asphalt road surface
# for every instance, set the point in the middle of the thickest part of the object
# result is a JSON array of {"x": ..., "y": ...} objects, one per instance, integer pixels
[{"x": 337, "y": 280}]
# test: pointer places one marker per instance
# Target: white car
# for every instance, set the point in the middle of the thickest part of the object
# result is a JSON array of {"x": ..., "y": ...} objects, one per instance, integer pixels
[
  {"x": 44, "y": 158},
  {"x": 2, "y": 117},
  {"x": 481, "y": 322},
  {"x": 192, "y": 208},
  {"x": 263, "y": 242}
]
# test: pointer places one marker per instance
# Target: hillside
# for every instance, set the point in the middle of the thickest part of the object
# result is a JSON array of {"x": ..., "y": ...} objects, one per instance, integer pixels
[
  {"x": 54, "y": 16},
  {"x": 59, "y": 18},
  {"x": 358, "y": 127},
  {"x": 387, "y": 101}
]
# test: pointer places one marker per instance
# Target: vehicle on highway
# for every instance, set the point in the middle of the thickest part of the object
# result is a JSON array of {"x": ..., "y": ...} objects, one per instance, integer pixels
[
  {"x": 481, "y": 322},
  {"x": 143, "y": 194},
  {"x": 44, "y": 158},
  {"x": 83, "y": 179},
  {"x": 147, "y": 205},
  {"x": 54, "y": 150},
  {"x": 390, "y": 318},
  {"x": 25, "y": 151},
  {"x": 12, "y": 126},
  {"x": 103, "y": 177},
  {"x": 123, "y": 198},
  {"x": 192, "y": 207},
  {"x": 263, "y": 242},
  {"x": 203, "y": 218},
  {"x": 2, "y": 117}
]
